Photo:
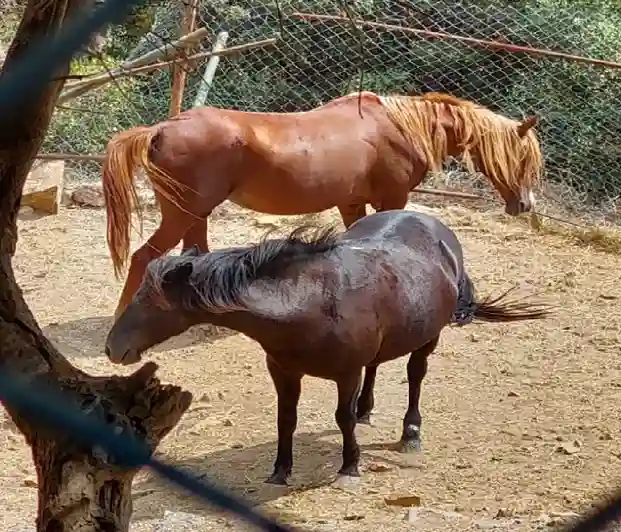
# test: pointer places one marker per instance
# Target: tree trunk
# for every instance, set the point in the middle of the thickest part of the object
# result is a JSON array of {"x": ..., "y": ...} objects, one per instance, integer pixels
[{"x": 79, "y": 490}]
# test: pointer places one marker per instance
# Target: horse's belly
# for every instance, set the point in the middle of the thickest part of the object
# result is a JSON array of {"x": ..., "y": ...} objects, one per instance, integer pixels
[
  {"x": 274, "y": 204},
  {"x": 290, "y": 198},
  {"x": 293, "y": 184}
]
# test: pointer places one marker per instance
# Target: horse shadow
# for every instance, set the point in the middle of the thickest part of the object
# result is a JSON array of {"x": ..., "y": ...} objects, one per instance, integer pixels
[
  {"x": 86, "y": 337},
  {"x": 242, "y": 471}
]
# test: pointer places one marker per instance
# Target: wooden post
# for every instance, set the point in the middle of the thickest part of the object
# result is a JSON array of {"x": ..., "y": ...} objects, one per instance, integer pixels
[
  {"x": 179, "y": 72},
  {"x": 210, "y": 70}
]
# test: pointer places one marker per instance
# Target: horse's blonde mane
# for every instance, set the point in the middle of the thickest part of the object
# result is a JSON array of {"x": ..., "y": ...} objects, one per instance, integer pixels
[{"x": 490, "y": 139}]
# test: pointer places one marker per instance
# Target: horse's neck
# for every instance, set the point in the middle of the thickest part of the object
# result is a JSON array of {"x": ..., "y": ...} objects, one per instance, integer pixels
[{"x": 250, "y": 321}]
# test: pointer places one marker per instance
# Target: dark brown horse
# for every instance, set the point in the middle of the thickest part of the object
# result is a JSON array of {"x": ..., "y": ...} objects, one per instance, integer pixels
[
  {"x": 300, "y": 163},
  {"x": 327, "y": 307}
]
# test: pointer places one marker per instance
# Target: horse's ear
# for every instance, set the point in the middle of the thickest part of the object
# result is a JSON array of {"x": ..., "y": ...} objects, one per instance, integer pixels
[
  {"x": 528, "y": 123},
  {"x": 194, "y": 251},
  {"x": 179, "y": 274}
]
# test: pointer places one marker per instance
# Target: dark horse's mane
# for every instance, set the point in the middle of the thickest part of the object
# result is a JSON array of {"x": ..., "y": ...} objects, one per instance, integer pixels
[{"x": 217, "y": 281}]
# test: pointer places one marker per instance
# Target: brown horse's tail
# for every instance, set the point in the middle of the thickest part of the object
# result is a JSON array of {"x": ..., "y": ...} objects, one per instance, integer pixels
[
  {"x": 126, "y": 151},
  {"x": 499, "y": 309}
]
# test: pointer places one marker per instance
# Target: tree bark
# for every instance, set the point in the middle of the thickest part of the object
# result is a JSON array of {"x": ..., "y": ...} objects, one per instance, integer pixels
[{"x": 79, "y": 490}]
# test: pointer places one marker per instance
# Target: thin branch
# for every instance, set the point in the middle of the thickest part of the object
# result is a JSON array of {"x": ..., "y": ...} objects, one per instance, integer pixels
[
  {"x": 76, "y": 89},
  {"x": 78, "y": 77},
  {"x": 69, "y": 157},
  {"x": 82, "y": 110},
  {"x": 447, "y": 193},
  {"x": 232, "y": 50}
]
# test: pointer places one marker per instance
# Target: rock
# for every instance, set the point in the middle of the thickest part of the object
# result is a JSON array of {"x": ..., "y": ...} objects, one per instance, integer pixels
[
  {"x": 179, "y": 522},
  {"x": 379, "y": 468},
  {"x": 88, "y": 196},
  {"x": 569, "y": 448},
  {"x": 544, "y": 519},
  {"x": 412, "y": 515},
  {"x": 268, "y": 220},
  {"x": 353, "y": 518},
  {"x": 30, "y": 483},
  {"x": 405, "y": 501},
  {"x": 565, "y": 515}
]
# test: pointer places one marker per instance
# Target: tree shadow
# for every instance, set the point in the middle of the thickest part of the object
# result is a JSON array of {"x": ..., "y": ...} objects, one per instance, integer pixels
[
  {"x": 242, "y": 470},
  {"x": 86, "y": 337}
]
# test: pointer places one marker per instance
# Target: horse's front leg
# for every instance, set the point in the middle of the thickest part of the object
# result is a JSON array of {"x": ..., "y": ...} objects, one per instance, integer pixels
[
  {"x": 196, "y": 235},
  {"x": 352, "y": 213},
  {"x": 288, "y": 388},
  {"x": 417, "y": 369},
  {"x": 348, "y": 390}
]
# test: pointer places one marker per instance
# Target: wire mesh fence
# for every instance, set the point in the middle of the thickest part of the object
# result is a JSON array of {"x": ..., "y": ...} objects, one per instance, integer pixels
[{"x": 317, "y": 60}]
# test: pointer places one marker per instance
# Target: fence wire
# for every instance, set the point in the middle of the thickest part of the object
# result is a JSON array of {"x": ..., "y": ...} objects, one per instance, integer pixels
[{"x": 316, "y": 61}]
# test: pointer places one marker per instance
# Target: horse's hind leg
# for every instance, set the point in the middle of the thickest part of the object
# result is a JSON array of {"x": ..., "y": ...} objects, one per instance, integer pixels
[
  {"x": 348, "y": 390},
  {"x": 417, "y": 369},
  {"x": 288, "y": 388},
  {"x": 366, "y": 401},
  {"x": 166, "y": 237},
  {"x": 196, "y": 235}
]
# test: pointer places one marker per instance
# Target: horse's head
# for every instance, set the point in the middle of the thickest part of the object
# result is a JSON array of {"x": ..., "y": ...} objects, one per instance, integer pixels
[
  {"x": 505, "y": 150},
  {"x": 522, "y": 171},
  {"x": 156, "y": 313}
]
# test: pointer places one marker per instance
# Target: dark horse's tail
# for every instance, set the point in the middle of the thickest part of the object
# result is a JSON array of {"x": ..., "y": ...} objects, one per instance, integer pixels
[{"x": 500, "y": 309}]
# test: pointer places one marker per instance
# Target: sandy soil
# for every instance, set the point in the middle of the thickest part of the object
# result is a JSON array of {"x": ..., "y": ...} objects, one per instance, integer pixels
[{"x": 519, "y": 420}]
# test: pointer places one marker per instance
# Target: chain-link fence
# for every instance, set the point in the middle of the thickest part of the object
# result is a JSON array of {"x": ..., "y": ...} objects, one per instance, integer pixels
[{"x": 317, "y": 60}]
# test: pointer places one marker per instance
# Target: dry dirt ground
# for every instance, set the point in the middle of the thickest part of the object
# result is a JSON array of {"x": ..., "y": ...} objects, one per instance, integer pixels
[{"x": 520, "y": 420}]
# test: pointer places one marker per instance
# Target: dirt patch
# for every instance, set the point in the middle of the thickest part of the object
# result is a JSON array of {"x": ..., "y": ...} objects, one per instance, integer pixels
[{"x": 519, "y": 420}]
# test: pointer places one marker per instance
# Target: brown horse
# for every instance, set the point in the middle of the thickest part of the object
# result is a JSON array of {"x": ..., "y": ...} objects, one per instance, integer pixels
[
  {"x": 299, "y": 163},
  {"x": 327, "y": 307}
]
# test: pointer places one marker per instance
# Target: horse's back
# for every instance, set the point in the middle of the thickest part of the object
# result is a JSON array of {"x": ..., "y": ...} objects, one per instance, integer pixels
[{"x": 416, "y": 230}]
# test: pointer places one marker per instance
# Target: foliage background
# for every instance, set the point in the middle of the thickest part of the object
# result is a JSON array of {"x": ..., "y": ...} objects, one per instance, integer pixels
[{"x": 315, "y": 62}]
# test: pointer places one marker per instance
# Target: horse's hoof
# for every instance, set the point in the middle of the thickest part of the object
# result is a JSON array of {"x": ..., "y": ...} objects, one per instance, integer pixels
[
  {"x": 408, "y": 446},
  {"x": 364, "y": 420},
  {"x": 345, "y": 482},
  {"x": 277, "y": 479}
]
